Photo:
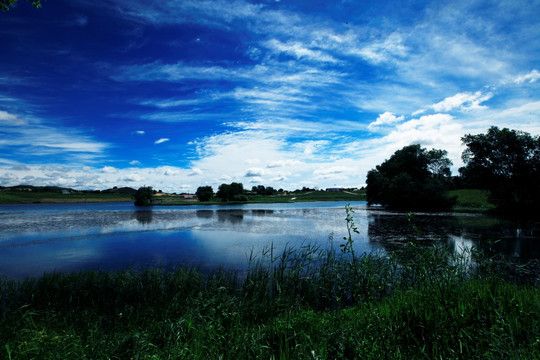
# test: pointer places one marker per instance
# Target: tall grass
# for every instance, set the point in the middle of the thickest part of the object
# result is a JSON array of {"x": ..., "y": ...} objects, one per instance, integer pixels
[{"x": 301, "y": 303}]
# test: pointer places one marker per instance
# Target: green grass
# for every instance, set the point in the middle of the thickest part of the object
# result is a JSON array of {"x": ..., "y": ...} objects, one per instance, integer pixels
[
  {"x": 30, "y": 197},
  {"x": 471, "y": 200},
  {"x": 304, "y": 303}
]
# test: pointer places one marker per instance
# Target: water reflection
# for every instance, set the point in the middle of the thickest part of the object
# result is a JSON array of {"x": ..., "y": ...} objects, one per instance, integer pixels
[
  {"x": 459, "y": 231},
  {"x": 230, "y": 216},
  {"x": 262, "y": 212},
  {"x": 144, "y": 216},
  {"x": 205, "y": 214}
]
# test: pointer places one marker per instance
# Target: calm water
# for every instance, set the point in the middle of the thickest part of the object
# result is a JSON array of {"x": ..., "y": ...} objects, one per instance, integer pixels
[{"x": 42, "y": 238}]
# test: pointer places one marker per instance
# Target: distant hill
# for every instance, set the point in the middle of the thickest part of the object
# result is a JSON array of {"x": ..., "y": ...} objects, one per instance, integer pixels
[
  {"x": 32, "y": 188},
  {"x": 122, "y": 190},
  {"x": 60, "y": 190}
]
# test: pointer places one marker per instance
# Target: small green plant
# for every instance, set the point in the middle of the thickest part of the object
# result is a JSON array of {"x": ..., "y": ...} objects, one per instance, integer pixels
[{"x": 348, "y": 247}]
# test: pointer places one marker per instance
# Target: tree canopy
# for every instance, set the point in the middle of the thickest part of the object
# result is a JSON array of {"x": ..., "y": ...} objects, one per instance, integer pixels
[
  {"x": 231, "y": 192},
  {"x": 204, "y": 193},
  {"x": 507, "y": 163},
  {"x": 263, "y": 190},
  {"x": 413, "y": 178},
  {"x": 143, "y": 196}
]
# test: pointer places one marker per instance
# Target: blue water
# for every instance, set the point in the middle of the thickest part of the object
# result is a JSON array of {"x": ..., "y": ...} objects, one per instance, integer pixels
[{"x": 40, "y": 238}]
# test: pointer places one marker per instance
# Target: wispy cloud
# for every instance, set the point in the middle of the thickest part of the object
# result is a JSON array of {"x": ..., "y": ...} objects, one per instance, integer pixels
[
  {"x": 463, "y": 101},
  {"x": 530, "y": 77},
  {"x": 26, "y": 135},
  {"x": 299, "y": 51},
  {"x": 162, "y": 140}
]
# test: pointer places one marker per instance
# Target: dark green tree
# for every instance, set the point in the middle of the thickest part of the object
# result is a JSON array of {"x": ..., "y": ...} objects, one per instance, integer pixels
[
  {"x": 412, "y": 179},
  {"x": 233, "y": 191},
  {"x": 262, "y": 190},
  {"x": 204, "y": 193},
  {"x": 143, "y": 196},
  {"x": 507, "y": 163},
  {"x": 5, "y": 5}
]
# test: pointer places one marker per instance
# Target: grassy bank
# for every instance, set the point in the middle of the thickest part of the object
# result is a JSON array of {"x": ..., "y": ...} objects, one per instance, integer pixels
[
  {"x": 471, "y": 200},
  {"x": 22, "y": 197},
  {"x": 305, "y": 303}
]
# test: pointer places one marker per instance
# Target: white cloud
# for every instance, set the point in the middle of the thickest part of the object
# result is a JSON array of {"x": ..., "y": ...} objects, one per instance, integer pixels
[
  {"x": 139, "y": 132},
  {"x": 162, "y": 140},
  {"x": 385, "y": 118},
  {"x": 284, "y": 163},
  {"x": 298, "y": 50},
  {"x": 10, "y": 118},
  {"x": 132, "y": 178},
  {"x": 27, "y": 135},
  {"x": 439, "y": 131},
  {"x": 530, "y": 77},
  {"x": 108, "y": 170},
  {"x": 195, "y": 171},
  {"x": 255, "y": 172},
  {"x": 463, "y": 101},
  {"x": 170, "y": 171},
  {"x": 381, "y": 51},
  {"x": 134, "y": 162}
]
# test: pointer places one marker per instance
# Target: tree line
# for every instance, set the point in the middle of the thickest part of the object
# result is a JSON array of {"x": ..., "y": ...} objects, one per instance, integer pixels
[{"x": 505, "y": 162}]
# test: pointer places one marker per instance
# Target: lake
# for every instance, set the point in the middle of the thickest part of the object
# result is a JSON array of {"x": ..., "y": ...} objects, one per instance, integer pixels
[{"x": 40, "y": 238}]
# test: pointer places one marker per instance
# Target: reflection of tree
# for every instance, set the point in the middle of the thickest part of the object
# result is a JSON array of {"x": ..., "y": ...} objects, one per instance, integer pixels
[
  {"x": 232, "y": 216},
  {"x": 392, "y": 230},
  {"x": 261, "y": 212},
  {"x": 205, "y": 214},
  {"x": 144, "y": 216}
]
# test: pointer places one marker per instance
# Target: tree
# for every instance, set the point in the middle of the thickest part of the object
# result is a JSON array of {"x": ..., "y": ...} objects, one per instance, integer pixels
[
  {"x": 262, "y": 190},
  {"x": 411, "y": 179},
  {"x": 233, "y": 191},
  {"x": 204, "y": 193},
  {"x": 143, "y": 196},
  {"x": 5, "y": 5},
  {"x": 507, "y": 163}
]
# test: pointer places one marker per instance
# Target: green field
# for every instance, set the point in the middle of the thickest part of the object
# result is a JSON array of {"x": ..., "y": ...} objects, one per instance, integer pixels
[
  {"x": 34, "y": 197},
  {"x": 416, "y": 304}
]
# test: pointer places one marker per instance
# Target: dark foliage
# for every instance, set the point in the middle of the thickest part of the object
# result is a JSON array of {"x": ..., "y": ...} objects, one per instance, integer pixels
[
  {"x": 262, "y": 190},
  {"x": 143, "y": 196},
  {"x": 204, "y": 193},
  {"x": 507, "y": 163},
  {"x": 227, "y": 192},
  {"x": 413, "y": 178}
]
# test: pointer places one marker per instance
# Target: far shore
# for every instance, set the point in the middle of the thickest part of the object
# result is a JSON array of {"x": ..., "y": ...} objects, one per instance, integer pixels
[{"x": 468, "y": 200}]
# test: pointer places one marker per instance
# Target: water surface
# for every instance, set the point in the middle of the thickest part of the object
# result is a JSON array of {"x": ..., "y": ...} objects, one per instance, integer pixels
[{"x": 40, "y": 238}]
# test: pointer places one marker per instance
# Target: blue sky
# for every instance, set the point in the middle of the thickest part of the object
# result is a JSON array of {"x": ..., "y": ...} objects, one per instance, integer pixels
[{"x": 289, "y": 93}]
